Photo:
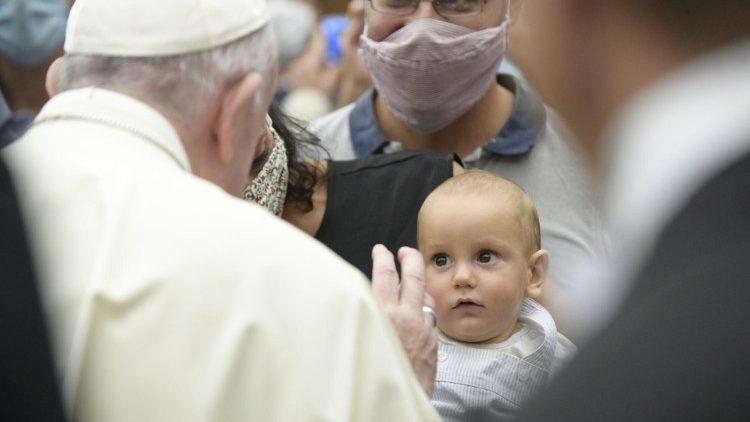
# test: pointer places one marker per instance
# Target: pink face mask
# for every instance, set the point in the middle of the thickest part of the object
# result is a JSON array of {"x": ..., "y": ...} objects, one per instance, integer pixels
[{"x": 431, "y": 72}]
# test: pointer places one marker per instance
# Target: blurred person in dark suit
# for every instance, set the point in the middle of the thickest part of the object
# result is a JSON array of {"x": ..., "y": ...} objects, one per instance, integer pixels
[
  {"x": 29, "y": 387},
  {"x": 659, "y": 94}
]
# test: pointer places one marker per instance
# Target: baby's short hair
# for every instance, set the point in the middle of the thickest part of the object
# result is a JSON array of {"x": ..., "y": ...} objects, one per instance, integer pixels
[{"x": 486, "y": 184}]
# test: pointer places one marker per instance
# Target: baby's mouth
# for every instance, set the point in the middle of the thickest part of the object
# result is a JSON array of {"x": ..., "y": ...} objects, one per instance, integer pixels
[{"x": 468, "y": 305}]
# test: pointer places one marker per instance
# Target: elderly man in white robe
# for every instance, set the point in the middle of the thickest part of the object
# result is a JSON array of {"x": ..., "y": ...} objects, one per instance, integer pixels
[{"x": 169, "y": 298}]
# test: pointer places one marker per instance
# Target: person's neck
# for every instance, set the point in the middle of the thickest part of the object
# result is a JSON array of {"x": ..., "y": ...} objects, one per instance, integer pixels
[{"x": 473, "y": 129}]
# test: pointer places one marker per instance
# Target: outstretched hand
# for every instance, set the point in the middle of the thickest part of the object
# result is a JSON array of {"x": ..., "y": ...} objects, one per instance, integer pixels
[{"x": 402, "y": 299}]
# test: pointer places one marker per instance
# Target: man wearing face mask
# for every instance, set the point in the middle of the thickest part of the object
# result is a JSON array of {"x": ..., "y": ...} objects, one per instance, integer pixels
[{"x": 433, "y": 66}]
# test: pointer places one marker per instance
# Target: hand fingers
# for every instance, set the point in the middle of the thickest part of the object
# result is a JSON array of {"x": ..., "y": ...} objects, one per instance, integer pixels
[
  {"x": 412, "y": 277},
  {"x": 317, "y": 44},
  {"x": 355, "y": 9},
  {"x": 355, "y": 12},
  {"x": 385, "y": 282}
]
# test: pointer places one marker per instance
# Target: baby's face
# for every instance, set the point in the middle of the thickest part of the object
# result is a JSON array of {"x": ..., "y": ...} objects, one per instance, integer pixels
[{"x": 477, "y": 266}]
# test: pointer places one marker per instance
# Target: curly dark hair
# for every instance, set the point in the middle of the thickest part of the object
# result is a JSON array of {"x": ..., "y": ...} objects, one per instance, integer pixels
[{"x": 299, "y": 143}]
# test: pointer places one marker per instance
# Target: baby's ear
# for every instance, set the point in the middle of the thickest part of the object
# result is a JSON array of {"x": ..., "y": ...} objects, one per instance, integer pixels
[{"x": 538, "y": 265}]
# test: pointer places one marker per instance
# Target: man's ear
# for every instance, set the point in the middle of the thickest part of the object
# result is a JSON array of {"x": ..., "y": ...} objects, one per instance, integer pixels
[
  {"x": 238, "y": 104},
  {"x": 538, "y": 265},
  {"x": 52, "y": 81}
]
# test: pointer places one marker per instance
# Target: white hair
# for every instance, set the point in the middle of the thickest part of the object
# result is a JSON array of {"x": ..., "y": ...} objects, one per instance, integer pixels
[{"x": 184, "y": 84}]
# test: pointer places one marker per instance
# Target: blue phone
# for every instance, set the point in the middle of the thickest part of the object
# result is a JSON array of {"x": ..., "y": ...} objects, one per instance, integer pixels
[{"x": 333, "y": 26}]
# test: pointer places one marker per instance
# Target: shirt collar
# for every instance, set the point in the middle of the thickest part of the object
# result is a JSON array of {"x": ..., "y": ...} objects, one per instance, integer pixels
[
  {"x": 526, "y": 122},
  {"x": 119, "y": 111},
  {"x": 365, "y": 134}
]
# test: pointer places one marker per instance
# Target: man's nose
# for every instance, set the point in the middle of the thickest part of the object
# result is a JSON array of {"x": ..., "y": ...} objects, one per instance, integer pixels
[{"x": 425, "y": 10}]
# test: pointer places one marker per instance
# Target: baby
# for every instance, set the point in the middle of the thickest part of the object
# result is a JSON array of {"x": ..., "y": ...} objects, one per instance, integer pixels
[{"x": 480, "y": 238}]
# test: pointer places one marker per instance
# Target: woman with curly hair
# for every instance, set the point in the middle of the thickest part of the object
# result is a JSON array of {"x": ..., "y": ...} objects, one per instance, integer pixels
[{"x": 350, "y": 206}]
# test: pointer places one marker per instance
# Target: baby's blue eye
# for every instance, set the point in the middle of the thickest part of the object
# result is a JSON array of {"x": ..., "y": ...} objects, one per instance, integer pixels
[
  {"x": 486, "y": 256},
  {"x": 441, "y": 260}
]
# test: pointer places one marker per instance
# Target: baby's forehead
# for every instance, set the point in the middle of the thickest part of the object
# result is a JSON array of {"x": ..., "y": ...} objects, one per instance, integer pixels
[
  {"x": 509, "y": 204},
  {"x": 500, "y": 198}
]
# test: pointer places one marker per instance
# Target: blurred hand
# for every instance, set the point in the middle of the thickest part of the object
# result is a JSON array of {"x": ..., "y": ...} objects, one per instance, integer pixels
[
  {"x": 402, "y": 302},
  {"x": 310, "y": 69},
  {"x": 355, "y": 78}
]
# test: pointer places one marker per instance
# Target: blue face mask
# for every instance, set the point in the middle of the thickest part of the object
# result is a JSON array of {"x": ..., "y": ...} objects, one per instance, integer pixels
[{"x": 31, "y": 30}]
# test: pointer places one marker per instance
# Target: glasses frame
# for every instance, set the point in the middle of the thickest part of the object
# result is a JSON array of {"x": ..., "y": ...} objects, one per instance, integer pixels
[{"x": 435, "y": 6}]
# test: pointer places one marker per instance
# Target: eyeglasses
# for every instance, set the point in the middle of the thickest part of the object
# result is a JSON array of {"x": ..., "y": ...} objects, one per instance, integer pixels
[{"x": 444, "y": 8}]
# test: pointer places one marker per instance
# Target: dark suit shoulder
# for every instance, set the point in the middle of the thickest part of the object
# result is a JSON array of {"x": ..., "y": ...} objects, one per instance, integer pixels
[{"x": 678, "y": 348}]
